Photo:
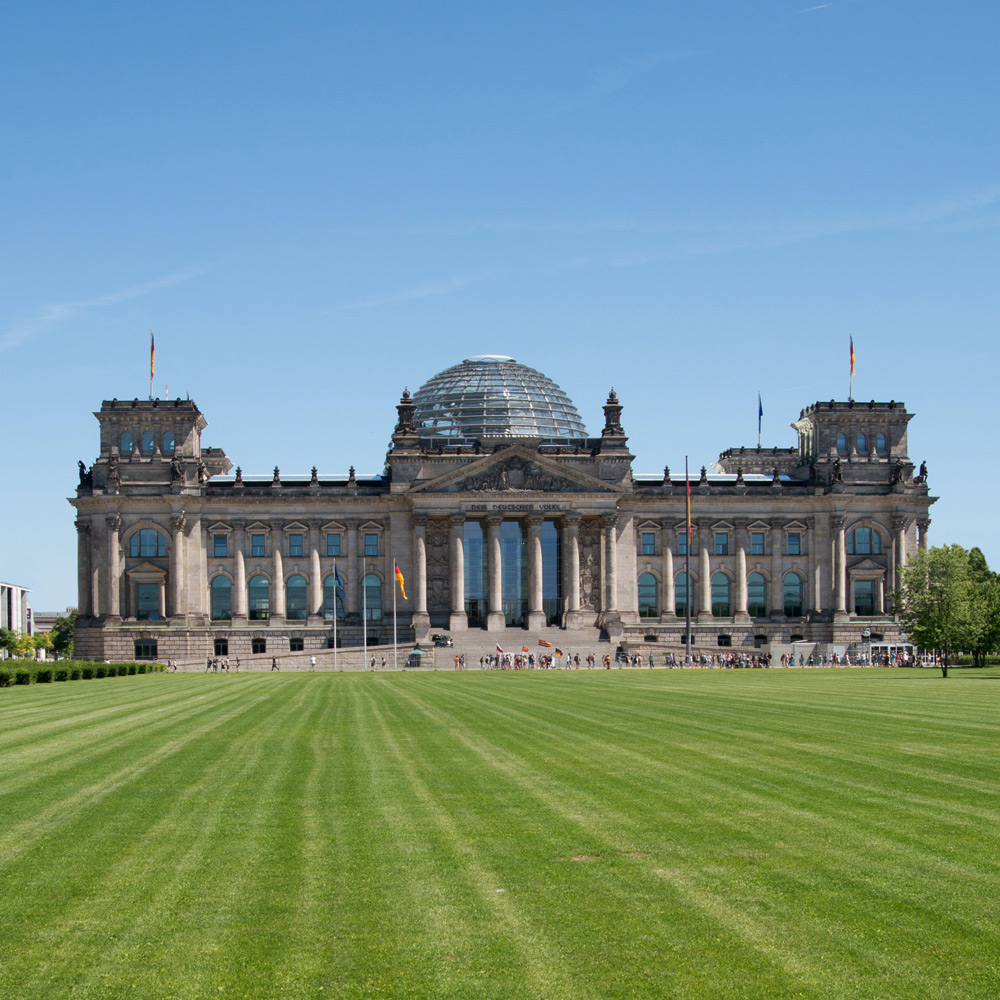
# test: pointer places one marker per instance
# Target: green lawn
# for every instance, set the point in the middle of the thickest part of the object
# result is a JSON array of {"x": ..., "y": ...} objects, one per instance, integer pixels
[{"x": 824, "y": 833}]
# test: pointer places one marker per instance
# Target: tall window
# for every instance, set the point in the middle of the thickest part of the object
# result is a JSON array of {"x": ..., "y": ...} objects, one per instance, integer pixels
[
  {"x": 793, "y": 595},
  {"x": 373, "y": 598},
  {"x": 295, "y": 545},
  {"x": 147, "y": 544},
  {"x": 722, "y": 543},
  {"x": 756, "y": 543},
  {"x": 146, "y": 442},
  {"x": 648, "y": 543},
  {"x": 125, "y": 443},
  {"x": 168, "y": 442},
  {"x": 720, "y": 595},
  {"x": 147, "y": 601},
  {"x": 296, "y": 599},
  {"x": 682, "y": 542},
  {"x": 682, "y": 594},
  {"x": 841, "y": 443},
  {"x": 220, "y": 546},
  {"x": 474, "y": 550},
  {"x": 551, "y": 573},
  {"x": 257, "y": 546},
  {"x": 794, "y": 543},
  {"x": 371, "y": 544},
  {"x": 331, "y": 595},
  {"x": 222, "y": 599},
  {"x": 756, "y": 596},
  {"x": 648, "y": 598},
  {"x": 864, "y": 597},
  {"x": 333, "y": 544},
  {"x": 259, "y": 599},
  {"x": 881, "y": 445},
  {"x": 862, "y": 443},
  {"x": 864, "y": 542}
]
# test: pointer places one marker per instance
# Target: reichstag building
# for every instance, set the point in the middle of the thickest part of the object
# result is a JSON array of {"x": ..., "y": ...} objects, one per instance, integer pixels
[{"x": 503, "y": 514}]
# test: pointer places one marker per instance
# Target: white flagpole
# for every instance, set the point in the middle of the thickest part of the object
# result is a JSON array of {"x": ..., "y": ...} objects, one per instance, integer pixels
[
  {"x": 335, "y": 595},
  {"x": 364, "y": 612},
  {"x": 395, "y": 654}
]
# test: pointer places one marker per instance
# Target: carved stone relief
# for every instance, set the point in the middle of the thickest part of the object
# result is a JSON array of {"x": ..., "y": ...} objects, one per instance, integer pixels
[
  {"x": 438, "y": 537},
  {"x": 590, "y": 564},
  {"x": 515, "y": 475}
]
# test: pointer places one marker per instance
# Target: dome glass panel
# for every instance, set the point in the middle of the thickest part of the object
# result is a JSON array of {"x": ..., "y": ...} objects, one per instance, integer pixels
[{"x": 491, "y": 395}]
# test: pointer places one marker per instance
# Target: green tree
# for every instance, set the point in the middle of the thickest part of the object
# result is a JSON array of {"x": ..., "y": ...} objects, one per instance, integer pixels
[
  {"x": 62, "y": 634},
  {"x": 936, "y": 601},
  {"x": 8, "y": 640},
  {"x": 25, "y": 645},
  {"x": 985, "y": 612}
]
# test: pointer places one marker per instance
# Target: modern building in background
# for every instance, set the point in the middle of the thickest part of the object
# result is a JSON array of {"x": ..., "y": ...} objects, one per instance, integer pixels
[
  {"x": 504, "y": 515},
  {"x": 15, "y": 611}
]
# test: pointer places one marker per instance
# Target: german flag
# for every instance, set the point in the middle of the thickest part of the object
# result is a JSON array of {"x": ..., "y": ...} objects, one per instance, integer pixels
[
  {"x": 399, "y": 580},
  {"x": 558, "y": 651},
  {"x": 542, "y": 642}
]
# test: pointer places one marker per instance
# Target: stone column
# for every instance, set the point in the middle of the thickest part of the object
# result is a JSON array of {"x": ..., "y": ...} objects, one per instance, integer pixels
[
  {"x": 353, "y": 593},
  {"x": 83, "y": 596},
  {"x": 459, "y": 619},
  {"x": 839, "y": 525},
  {"x": 742, "y": 614},
  {"x": 240, "y": 582},
  {"x": 278, "y": 571},
  {"x": 777, "y": 570},
  {"x": 899, "y": 534},
  {"x": 880, "y": 596},
  {"x": 536, "y": 614},
  {"x": 113, "y": 608},
  {"x": 97, "y": 571},
  {"x": 611, "y": 562},
  {"x": 315, "y": 576},
  {"x": 669, "y": 606},
  {"x": 420, "y": 619},
  {"x": 495, "y": 621},
  {"x": 571, "y": 565},
  {"x": 922, "y": 527},
  {"x": 177, "y": 524},
  {"x": 162, "y": 591},
  {"x": 705, "y": 581}
]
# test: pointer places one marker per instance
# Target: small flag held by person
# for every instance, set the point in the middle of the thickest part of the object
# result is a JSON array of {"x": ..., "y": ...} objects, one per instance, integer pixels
[
  {"x": 543, "y": 642},
  {"x": 524, "y": 649},
  {"x": 400, "y": 581},
  {"x": 499, "y": 648},
  {"x": 558, "y": 651}
]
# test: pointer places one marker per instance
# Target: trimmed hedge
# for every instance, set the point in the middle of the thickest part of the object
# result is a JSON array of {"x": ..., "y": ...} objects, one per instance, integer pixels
[
  {"x": 43, "y": 676},
  {"x": 6, "y": 678},
  {"x": 60, "y": 675},
  {"x": 34, "y": 672},
  {"x": 22, "y": 676}
]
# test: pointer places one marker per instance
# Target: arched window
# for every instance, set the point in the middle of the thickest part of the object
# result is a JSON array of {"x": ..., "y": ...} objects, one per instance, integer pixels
[
  {"x": 864, "y": 541},
  {"x": 648, "y": 597},
  {"x": 793, "y": 595},
  {"x": 259, "y": 603},
  {"x": 222, "y": 599},
  {"x": 756, "y": 595},
  {"x": 373, "y": 598},
  {"x": 146, "y": 443},
  {"x": 296, "y": 599},
  {"x": 168, "y": 442},
  {"x": 841, "y": 443},
  {"x": 881, "y": 445},
  {"x": 147, "y": 544},
  {"x": 720, "y": 595},
  {"x": 862, "y": 443},
  {"x": 330, "y": 593},
  {"x": 125, "y": 444},
  {"x": 682, "y": 594}
]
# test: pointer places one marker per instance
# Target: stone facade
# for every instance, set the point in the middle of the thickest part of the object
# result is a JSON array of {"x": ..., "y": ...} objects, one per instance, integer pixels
[{"x": 176, "y": 558}]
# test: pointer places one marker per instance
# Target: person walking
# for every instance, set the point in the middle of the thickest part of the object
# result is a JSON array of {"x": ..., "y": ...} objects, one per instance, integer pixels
[
  {"x": 312, "y": 664},
  {"x": 274, "y": 663}
]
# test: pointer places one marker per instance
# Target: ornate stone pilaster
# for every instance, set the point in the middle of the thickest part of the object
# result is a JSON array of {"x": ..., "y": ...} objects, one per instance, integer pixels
[
  {"x": 315, "y": 576},
  {"x": 536, "y": 612},
  {"x": 278, "y": 571},
  {"x": 839, "y": 527},
  {"x": 177, "y": 525},
  {"x": 669, "y": 606},
  {"x": 777, "y": 569},
  {"x": 742, "y": 615},
  {"x": 353, "y": 606},
  {"x": 240, "y": 583},
  {"x": 495, "y": 621},
  {"x": 923, "y": 525},
  {"x": 571, "y": 560},
  {"x": 420, "y": 618},
  {"x": 899, "y": 524},
  {"x": 84, "y": 598},
  {"x": 114, "y": 524},
  {"x": 705, "y": 581},
  {"x": 459, "y": 619},
  {"x": 610, "y": 522}
]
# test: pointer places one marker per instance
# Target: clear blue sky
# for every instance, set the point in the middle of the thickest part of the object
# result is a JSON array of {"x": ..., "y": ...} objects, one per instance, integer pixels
[{"x": 317, "y": 204}]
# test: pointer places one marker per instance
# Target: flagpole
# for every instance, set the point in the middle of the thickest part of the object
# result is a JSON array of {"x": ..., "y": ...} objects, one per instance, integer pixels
[
  {"x": 152, "y": 361},
  {"x": 335, "y": 665},
  {"x": 364, "y": 613},
  {"x": 760, "y": 416},
  {"x": 850, "y": 384},
  {"x": 687, "y": 566},
  {"x": 395, "y": 655}
]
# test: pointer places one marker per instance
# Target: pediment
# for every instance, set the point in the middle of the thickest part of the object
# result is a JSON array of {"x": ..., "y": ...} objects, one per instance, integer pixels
[
  {"x": 516, "y": 470},
  {"x": 649, "y": 526},
  {"x": 333, "y": 526},
  {"x": 296, "y": 526},
  {"x": 219, "y": 526},
  {"x": 146, "y": 572},
  {"x": 796, "y": 526},
  {"x": 758, "y": 526},
  {"x": 722, "y": 526},
  {"x": 258, "y": 526},
  {"x": 867, "y": 566}
]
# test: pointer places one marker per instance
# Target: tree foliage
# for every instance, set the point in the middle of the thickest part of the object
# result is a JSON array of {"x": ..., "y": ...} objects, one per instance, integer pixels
[
  {"x": 62, "y": 634},
  {"x": 950, "y": 601}
]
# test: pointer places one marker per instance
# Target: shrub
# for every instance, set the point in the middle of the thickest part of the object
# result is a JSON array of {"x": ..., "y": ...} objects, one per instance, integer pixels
[
  {"x": 5, "y": 678},
  {"x": 74, "y": 674},
  {"x": 132, "y": 667},
  {"x": 61, "y": 675},
  {"x": 102, "y": 671},
  {"x": 43, "y": 677},
  {"x": 22, "y": 677},
  {"x": 88, "y": 673},
  {"x": 142, "y": 668}
]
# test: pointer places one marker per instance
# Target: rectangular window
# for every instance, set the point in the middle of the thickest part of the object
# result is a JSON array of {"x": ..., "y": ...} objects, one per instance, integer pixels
[
  {"x": 257, "y": 545},
  {"x": 295, "y": 545},
  {"x": 371, "y": 545},
  {"x": 145, "y": 649},
  {"x": 682, "y": 543},
  {"x": 258, "y": 645},
  {"x": 221, "y": 647},
  {"x": 648, "y": 543},
  {"x": 333, "y": 545},
  {"x": 220, "y": 546},
  {"x": 296, "y": 644},
  {"x": 756, "y": 543},
  {"x": 722, "y": 543},
  {"x": 794, "y": 543},
  {"x": 147, "y": 601}
]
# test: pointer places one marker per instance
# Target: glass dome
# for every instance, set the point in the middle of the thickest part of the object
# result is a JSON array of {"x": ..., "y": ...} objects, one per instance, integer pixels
[{"x": 491, "y": 395}]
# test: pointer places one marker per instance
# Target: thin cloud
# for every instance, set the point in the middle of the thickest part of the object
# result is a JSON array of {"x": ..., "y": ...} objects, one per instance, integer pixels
[
  {"x": 431, "y": 289},
  {"x": 809, "y": 10},
  {"x": 52, "y": 314}
]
